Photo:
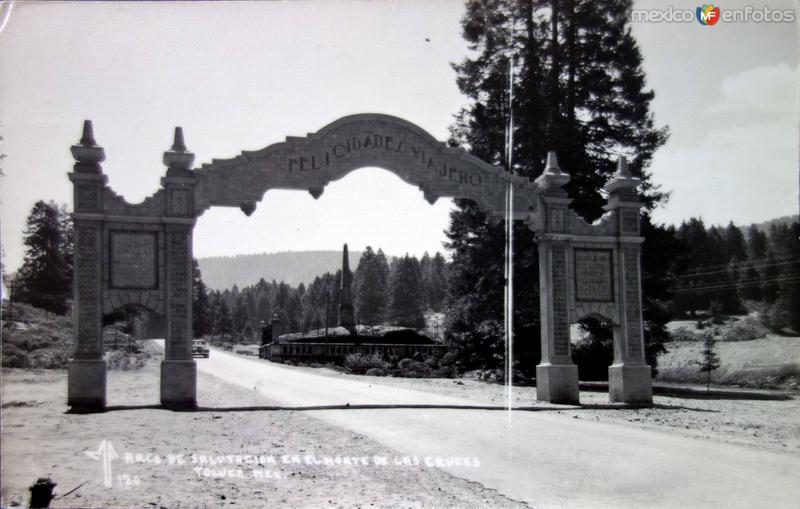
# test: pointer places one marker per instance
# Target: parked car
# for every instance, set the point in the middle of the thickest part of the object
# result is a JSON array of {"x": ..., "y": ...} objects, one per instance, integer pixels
[{"x": 199, "y": 348}]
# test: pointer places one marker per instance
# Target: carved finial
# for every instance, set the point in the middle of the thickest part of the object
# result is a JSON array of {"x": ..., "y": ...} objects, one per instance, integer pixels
[
  {"x": 87, "y": 140},
  {"x": 87, "y": 153},
  {"x": 622, "y": 167},
  {"x": 177, "y": 144},
  {"x": 622, "y": 185},
  {"x": 552, "y": 163},
  {"x": 178, "y": 157},
  {"x": 552, "y": 179}
]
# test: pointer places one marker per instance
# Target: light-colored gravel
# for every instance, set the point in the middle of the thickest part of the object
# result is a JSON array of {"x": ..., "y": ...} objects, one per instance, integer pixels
[
  {"x": 745, "y": 420},
  {"x": 40, "y": 439}
]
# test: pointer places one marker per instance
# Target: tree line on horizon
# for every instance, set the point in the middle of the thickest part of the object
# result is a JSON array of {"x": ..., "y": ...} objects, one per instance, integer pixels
[
  {"x": 398, "y": 293},
  {"x": 724, "y": 271},
  {"x": 709, "y": 268}
]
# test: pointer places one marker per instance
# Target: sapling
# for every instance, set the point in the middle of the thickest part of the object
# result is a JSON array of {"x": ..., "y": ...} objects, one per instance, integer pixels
[{"x": 710, "y": 360}]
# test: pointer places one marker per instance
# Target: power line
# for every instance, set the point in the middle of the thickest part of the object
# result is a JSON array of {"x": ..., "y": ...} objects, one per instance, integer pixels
[
  {"x": 754, "y": 261},
  {"x": 732, "y": 284},
  {"x": 685, "y": 275},
  {"x": 746, "y": 284}
]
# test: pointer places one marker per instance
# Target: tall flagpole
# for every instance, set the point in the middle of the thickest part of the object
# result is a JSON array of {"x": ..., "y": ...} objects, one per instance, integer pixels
[{"x": 509, "y": 265}]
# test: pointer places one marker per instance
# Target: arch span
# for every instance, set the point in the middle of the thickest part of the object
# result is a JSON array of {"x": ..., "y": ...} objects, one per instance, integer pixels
[
  {"x": 357, "y": 141},
  {"x": 141, "y": 254}
]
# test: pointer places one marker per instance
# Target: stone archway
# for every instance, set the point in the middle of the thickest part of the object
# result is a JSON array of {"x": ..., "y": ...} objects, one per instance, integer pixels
[{"x": 141, "y": 254}]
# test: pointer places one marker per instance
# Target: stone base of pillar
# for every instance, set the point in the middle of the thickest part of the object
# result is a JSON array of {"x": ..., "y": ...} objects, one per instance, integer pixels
[
  {"x": 86, "y": 384},
  {"x": 179, "y": 384},
  {"x": 630, "y": 384},
  {"x": 557, "y": 383}
]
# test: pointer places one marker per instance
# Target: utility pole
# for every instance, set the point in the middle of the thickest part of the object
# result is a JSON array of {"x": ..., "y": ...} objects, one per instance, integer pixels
[
  {"x": 327, "y": 311},
  {"x": 10, "y": 303}
]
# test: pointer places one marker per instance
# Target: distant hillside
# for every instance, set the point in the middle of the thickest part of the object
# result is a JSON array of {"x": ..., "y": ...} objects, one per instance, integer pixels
[
  {"x": 764, "y": 227},
  {"x": 292, "y": 267}
]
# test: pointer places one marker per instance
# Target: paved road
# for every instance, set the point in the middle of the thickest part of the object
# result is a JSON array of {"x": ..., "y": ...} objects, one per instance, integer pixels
[{"x": 539, "y": 457}]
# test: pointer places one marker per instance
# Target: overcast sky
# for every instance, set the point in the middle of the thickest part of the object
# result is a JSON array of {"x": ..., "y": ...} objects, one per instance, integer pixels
[{"x": 241, "y": 76}]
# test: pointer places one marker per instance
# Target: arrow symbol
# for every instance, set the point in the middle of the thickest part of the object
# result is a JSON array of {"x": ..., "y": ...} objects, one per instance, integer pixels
[{"x": 106, "y": 454}]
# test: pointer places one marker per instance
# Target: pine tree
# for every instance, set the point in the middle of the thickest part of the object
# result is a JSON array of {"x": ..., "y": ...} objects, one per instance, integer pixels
[
  {"x": 690, "y": 264},
  {"x": 406, "y": 308},
  {"x": 263, "y": 307},
  {"x": 200, "y": 303},
  {"x": 771, "y": 274},
  {"x": 370, "y": 284},
  {"x": 785, "y": 313},
  {"x": 756, "y": 244},
  {"x": 660, "y": 248},
  {"x": 723, "y": 276},
  {"x": 581, "y": 92},
  {"x": 437, "y": 282},
  {"x": 224, "y": 326},
  {"x": 425, "y": 275},
  {"x": 239, "y": 313},
  {"x": 250, "y": 301},
  {"x": 294, "y": 312},
  {"x": 710, "y": 360},
  {"x": 735, "y": 244},
  {"x": 383, "y": 268},
  {"x": 222, "y": 322},
  {"x": 282, "y": 296},
  {"x": 45, "y": 278},
  {"x": 749, "y": 282}
]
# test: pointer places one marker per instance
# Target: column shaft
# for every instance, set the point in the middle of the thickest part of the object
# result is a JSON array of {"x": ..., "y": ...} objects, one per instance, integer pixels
[
  {"x": 178, "y": 370},
  {"x": 629, "y": 378},
  {"x": 556, "y": 375},
  {"x": 87, "y": 369}
]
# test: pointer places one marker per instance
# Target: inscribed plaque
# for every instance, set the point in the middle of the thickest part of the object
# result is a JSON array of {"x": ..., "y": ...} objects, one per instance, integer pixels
[
  {"x": 593, "y": 275},
  {"x": 134, "y": 262}
]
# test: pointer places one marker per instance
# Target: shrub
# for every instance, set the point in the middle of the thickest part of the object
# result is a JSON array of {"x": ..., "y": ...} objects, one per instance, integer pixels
[
  {"x": 120, "y": 360},
  {"x": 360, "y": 364},
  {"x": 495, "y": 376},
  {"x": 684, "y": 334},
  {"x": 48, "y": 359},
  {"x": 410, "y": 368},
  {"x": 791, "y": 369},
  {"x": 482, "y": 347},
  {"x": 715, "y": 309},
  {"x": 744, "y": 330},
  {"x": 375, "y": 372},
  {"x": 776, "y": 318},
  {"x": 446, "y": 372},
  {"x": 450, "y": 358},
  {"x": 14, "y": 357}
]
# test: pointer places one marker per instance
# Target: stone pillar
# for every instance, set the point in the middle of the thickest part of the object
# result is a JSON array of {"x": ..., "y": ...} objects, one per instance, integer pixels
[
  {"x": 178, "y": 370},
  {"x": 629, "y": 377},
  {"x": 556, "y": 375},
  {"x": 86, "y": 386}
]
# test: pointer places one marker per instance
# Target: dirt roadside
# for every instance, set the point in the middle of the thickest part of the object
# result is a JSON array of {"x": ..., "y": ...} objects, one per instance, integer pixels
[
  {"x": 749, "y": 418},
  {"x": 255, "y": 453}
]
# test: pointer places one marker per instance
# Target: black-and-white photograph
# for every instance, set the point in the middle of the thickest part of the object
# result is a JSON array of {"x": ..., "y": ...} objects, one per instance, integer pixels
[{"x": 400, "y": 254}]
